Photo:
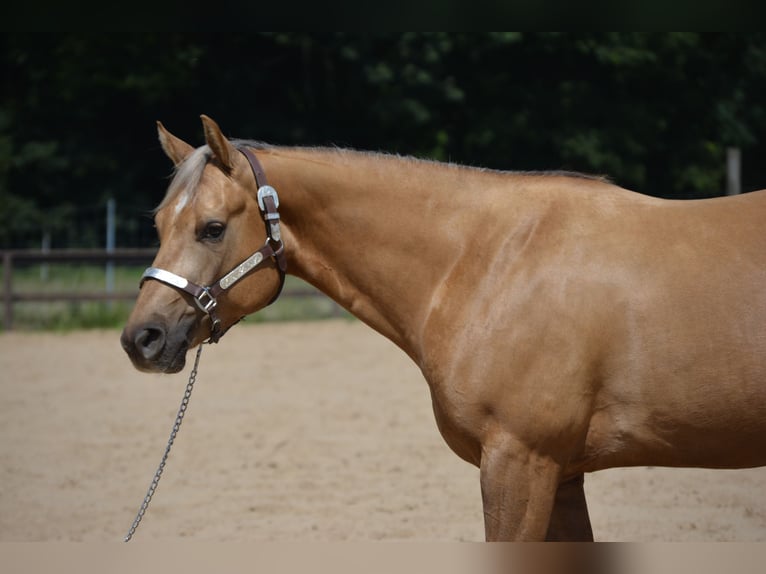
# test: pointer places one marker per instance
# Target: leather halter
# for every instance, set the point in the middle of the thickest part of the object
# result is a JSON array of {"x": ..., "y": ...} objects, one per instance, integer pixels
[{"x": 206, "y": 297}]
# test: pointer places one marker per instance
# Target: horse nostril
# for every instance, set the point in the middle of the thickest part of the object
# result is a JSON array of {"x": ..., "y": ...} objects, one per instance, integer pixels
[{"x": 150, "y": 342}]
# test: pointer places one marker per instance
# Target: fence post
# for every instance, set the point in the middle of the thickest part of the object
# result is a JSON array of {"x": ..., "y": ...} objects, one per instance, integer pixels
[
  {"x": 733, "y": 171},
  {"x": 8, "y": 290},
  {"x": 110, "y": 244},
  {"x": 45, "y": 247}
]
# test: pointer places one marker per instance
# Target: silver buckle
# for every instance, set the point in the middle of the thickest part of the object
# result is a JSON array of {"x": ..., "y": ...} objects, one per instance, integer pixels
[
  {"x": 267, "y": 191},
  {"x": 206, "y": 301}
]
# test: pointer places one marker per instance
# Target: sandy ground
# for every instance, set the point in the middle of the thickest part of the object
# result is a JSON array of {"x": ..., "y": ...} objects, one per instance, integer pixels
[{"x": 295, "y": 432}]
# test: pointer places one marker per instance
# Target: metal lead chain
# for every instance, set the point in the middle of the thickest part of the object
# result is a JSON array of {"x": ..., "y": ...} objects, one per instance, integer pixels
[{"x": 173, "y": 433}]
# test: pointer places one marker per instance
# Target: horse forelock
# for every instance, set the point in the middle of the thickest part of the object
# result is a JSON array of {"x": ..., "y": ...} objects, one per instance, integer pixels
[{"x": 187, "y": 175}]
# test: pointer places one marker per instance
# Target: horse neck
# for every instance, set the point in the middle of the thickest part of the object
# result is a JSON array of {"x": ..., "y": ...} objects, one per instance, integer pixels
[{"x": 377, "y": 234}]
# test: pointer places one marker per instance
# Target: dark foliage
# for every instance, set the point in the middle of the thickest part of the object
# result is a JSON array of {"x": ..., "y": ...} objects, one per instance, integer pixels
[{"x": 653, "y": 112}]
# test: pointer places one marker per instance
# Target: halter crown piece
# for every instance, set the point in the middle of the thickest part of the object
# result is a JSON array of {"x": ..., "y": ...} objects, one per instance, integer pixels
[{"x": 206, "y": 297}]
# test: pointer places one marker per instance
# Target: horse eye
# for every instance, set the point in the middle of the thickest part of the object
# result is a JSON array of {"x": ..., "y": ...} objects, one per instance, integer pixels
[{"x": 213, "y": 230}]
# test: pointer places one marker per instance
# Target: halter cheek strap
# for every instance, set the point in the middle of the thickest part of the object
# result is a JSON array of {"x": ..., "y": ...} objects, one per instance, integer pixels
[{"x": 206, "y": 297}]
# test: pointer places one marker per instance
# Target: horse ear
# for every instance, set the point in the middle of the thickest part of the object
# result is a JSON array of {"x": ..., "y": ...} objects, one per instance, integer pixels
[
  {"x": 176, "y": 149},
  {"x": 221, "y": 147}
]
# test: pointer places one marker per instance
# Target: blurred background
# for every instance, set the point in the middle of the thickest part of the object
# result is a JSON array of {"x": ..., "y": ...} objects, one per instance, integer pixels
[{"x": 81, "y": 168}]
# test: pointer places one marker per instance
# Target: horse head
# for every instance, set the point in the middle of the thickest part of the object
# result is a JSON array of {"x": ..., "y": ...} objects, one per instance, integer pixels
[{"x": 212, "y": 236}]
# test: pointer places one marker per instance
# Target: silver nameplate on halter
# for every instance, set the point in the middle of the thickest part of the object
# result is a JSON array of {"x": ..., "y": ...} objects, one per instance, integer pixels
[
  {"x": 165, "y": 277},
  {"x": 240, "y": 270}
]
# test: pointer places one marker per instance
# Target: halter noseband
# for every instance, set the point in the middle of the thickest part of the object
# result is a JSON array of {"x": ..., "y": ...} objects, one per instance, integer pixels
[{"x": 206, "y": 298}]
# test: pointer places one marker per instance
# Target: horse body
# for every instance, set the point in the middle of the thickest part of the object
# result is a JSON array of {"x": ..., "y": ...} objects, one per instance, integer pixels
[
  {"x": 683, "y": 377},
  {"x": 563, "y": 324}
]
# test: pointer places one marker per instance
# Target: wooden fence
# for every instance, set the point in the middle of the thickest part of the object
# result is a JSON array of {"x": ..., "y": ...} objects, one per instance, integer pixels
[{"x": 97, "y": 256}]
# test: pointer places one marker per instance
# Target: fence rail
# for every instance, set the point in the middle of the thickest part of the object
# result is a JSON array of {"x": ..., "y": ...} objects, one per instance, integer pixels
[
  {"x": 124, "y": 256},
  {"x": 11, "y": 257}
]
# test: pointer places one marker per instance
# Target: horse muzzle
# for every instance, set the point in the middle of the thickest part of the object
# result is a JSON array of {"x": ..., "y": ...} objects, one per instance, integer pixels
[{"x": 152, "y": 347}]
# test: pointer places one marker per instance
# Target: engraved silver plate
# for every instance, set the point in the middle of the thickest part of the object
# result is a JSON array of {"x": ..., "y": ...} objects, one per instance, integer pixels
[
  {"x": 241, "y": 270},
  {"x": 275, "y": 233}
]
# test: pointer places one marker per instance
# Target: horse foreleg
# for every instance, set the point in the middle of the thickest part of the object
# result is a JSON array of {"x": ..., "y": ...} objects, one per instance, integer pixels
[
  {"x": 518, "y": 488},
  {"x": 570, "y": 520}
]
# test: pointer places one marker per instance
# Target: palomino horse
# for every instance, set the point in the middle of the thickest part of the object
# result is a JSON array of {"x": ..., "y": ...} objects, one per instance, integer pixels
[{"x": 563, "y": 324}]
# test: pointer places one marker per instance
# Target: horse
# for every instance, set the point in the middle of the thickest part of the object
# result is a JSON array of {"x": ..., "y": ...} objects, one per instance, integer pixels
[{"x": 563, "y": 324}]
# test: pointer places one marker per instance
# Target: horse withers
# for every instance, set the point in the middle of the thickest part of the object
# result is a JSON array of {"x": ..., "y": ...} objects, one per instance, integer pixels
[{"x": 563, "y": 324}]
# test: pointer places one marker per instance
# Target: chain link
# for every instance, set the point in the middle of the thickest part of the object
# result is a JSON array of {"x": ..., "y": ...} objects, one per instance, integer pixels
[{"x": 173, "y": 433}]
